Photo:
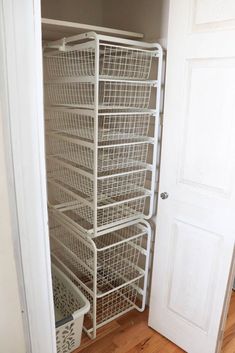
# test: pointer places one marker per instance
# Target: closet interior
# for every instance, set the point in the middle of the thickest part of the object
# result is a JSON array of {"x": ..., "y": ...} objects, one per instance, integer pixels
[{"x": 102, "y": 95}]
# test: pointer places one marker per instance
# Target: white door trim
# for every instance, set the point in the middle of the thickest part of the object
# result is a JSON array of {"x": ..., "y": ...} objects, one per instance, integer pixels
[{"x": 21, "y": 97}]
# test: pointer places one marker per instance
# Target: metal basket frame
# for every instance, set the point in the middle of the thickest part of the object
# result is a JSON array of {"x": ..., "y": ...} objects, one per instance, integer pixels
[
  {"x": 100, "y": 155},
  {"x": 104, "y": 267}
]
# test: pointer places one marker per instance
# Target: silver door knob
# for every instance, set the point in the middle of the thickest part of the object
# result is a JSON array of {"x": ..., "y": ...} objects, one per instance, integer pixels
[{"x": 164, "y": 195}]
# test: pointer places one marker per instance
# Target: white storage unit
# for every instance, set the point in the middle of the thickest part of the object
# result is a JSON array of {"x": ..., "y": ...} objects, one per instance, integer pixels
[
  {"x": 102, "y": 103},
  {"x": 101, "y": 153}
]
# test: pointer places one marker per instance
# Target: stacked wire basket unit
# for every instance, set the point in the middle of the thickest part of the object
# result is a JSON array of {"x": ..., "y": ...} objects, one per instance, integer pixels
[{"x": 101, "y": 119}]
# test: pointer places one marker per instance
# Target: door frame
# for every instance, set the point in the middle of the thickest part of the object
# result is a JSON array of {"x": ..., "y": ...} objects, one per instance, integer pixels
[
  {"x": 21, "y": 98},
  {"x": 22, "y": 104},
  {"x": 226, "y": 304}
]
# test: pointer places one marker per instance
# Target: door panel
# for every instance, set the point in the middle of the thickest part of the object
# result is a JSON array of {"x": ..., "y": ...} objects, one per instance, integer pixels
[
  {"x": 209, "y": 113},
  {"x": 196, "y": 223},
  {"x": 208, "y": 12},
  {"x": 212, "y": 15}
]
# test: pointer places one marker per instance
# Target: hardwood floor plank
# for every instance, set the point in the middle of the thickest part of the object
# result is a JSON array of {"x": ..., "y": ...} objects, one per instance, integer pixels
[
  {"x": 102, "y": 332},
  {"x": 131, "y": 337},
  {"x": 131, "y": 334},
  {"x": 152, "y": 344},
  {"x": 228, "y": 345}
]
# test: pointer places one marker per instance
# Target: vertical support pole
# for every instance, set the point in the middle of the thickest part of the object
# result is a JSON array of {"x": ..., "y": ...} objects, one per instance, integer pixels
[
  {"x": 96, "y": 117},
  {"x": 95, "y": 173},
  {"x": 149, "y": 237},
  {"x": 95, "y": 294},
  {"x": 156, "y": 130}
]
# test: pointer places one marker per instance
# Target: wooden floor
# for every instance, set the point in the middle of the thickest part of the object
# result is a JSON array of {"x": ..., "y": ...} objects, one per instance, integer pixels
[
  {"x": 229, "y": 335},
  {"x": 131, "y": 334}
]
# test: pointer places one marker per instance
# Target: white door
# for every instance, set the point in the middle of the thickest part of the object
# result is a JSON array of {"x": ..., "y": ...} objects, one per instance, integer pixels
[{"x": 196, "y": 223}]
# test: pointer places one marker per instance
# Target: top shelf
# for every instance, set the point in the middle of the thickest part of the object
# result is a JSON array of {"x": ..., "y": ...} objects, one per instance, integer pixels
[{"x": 57, "y": 29}]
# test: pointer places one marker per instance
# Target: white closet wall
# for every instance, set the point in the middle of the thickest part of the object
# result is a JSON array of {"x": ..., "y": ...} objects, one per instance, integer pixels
[
  {"x": 83, "y": 11},
  {"x": 149, "y": 16}
]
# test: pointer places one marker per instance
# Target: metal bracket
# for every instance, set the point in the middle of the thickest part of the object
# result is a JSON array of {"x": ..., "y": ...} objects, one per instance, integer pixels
[{"x": 61, "y": 45}]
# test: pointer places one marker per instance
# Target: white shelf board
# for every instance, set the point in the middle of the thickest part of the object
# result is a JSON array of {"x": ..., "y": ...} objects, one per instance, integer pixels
[{"x": 57, "y": 29}]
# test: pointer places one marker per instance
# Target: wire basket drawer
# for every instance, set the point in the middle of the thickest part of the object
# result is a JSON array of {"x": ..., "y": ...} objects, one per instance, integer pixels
[
  {"x": 82, "y": 216},
  {"x": 69, "y": 150},
  {"x": 123, "y": 127},
  {"x": 115, "y": 61},
  {"x": 107, "y": 187},
  {"x": 71, "y": 122},
  {"x": 115, "y": 94},
  {"x": 111, "y": 126},
  {"x": 124, "y": 62},
  {"x": 110, "y": 158},
  {"x": 70, "y": 63},
  {"x": 118, "y": 94},
  {"x": 118, "y": 253},
  {"x": 80, "y": 213},
  {"x": 70, "y": 307},
  {"x": 69, "y": 94},
  {"x": 124, "y": 157}
]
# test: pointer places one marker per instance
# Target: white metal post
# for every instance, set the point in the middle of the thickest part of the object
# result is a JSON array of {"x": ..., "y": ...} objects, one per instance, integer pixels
[
  {"x": 156, "y": 130},
  {"x": 96, "y": 117}
]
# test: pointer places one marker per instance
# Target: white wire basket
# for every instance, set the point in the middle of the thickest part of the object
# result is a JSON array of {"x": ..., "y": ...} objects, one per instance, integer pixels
[
  {"x": 110, "y": 158},
  {"x": 125, "y": 62},
  {"x": 107, "y": 186},
  {"x": 112, "y": 94},
  {"x": 111, "y": 267},
  {"x": 70, "y": 63},
  {"x": 69, "y": 94},
  {"x": 79, "y": 212},
  {"x": 70, "y": 307},
  {"x": 115, "y": 61},
  {"x": 111, "y": 126}
]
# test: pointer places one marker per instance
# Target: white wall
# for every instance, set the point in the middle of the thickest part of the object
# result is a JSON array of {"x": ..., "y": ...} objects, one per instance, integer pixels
[
  {"x": 83, "y": 11},
  {"x": 147, "y": 16},
  {"x": 11, "y": 328}
]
